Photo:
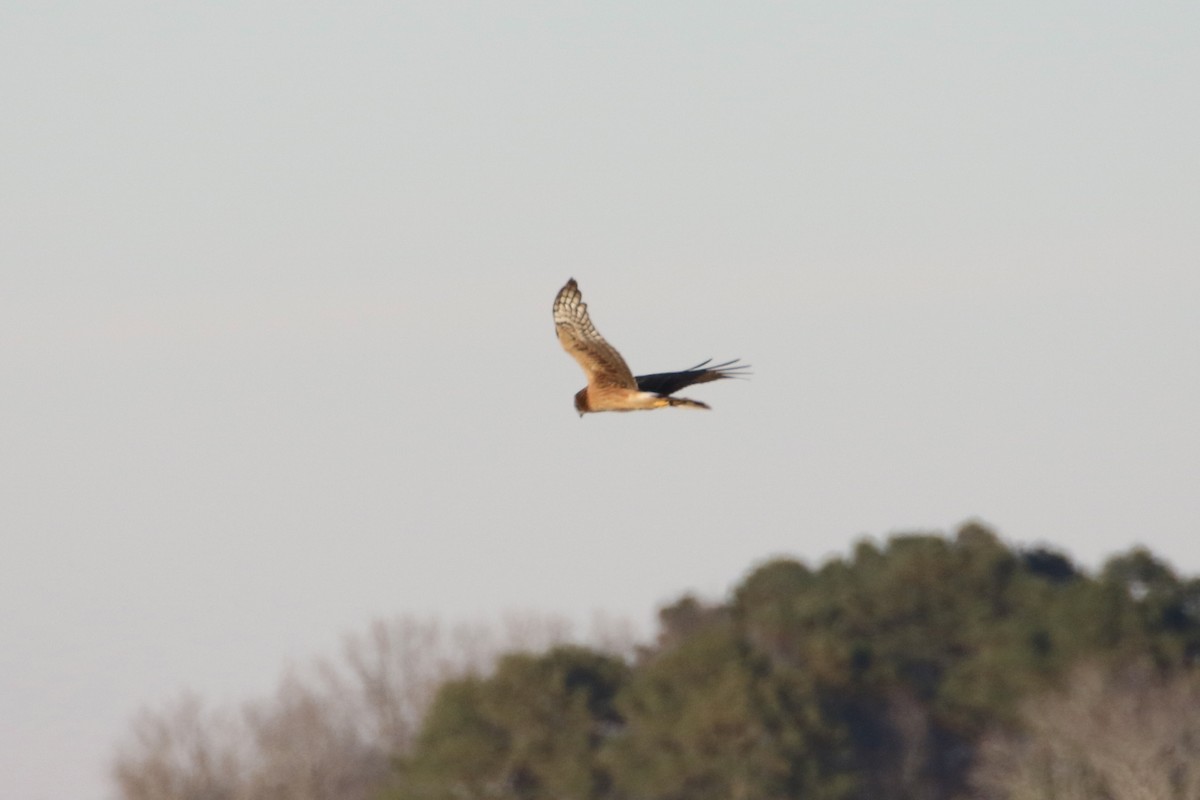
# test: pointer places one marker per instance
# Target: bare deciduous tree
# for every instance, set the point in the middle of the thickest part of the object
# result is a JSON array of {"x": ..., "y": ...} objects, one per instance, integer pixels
[
  {"x": 1110, "y": 735},
  {"x": 182, "y": 753},
  {"x": 309, "y": 745},
  {"x": 328, "y": 733}
]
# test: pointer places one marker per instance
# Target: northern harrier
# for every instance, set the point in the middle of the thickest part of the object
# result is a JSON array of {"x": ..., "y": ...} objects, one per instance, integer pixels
[{"x": 610, "y": 384}]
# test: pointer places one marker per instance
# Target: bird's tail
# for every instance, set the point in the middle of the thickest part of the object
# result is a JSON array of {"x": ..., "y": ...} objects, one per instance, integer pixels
[{"x": 684, "y": 402}]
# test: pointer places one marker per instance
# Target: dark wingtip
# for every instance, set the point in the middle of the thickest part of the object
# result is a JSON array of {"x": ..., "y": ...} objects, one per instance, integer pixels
[
  {"x": 570, "y": 287},
  {"x": 730, "y": 369}
]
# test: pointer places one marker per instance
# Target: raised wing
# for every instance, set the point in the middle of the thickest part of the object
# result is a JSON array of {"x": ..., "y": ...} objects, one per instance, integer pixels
[
  {"x": 669, "y": 382},
  {"x": 601, "y": 362}
]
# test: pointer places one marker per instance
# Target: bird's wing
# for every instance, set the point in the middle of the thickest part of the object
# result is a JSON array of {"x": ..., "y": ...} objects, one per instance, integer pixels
[
  {"x": 601, "y": 362},
  {"x": 668, "y": 382}
]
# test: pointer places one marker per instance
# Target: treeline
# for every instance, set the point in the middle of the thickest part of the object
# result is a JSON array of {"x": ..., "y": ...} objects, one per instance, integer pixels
[{"x": 924, "y": 669}]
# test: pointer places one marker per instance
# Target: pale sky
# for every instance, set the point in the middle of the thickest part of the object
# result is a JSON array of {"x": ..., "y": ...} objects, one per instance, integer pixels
[{"x": 278, "y": 356}]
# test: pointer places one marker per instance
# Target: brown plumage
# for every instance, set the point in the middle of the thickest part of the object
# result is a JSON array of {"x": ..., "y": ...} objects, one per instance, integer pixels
[{"x": 611, "y": 386}]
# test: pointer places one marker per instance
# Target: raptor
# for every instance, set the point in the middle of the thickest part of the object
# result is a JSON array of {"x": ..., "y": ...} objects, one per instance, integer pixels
[{"x": 611, "y": 386}]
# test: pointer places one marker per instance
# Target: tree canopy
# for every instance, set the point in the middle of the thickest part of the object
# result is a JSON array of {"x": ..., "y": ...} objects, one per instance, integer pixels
[
  {"x": 924, "y": 667},
  {"x": 872, "y": 676}
]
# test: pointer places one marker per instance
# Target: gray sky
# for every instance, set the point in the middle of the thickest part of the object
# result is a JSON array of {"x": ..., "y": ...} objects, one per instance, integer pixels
[{"x": 278, "y": 356}]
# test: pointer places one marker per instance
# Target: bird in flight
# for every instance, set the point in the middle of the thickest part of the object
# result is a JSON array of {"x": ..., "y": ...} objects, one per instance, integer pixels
[{"x": 611, "y": 386}]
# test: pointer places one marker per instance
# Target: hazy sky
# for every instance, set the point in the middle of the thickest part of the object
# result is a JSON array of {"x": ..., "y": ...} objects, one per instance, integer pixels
[{"x": 277, "y": 350}]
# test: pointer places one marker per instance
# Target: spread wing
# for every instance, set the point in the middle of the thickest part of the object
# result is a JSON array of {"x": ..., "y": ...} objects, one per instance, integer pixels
[
  {"x": 601, "y": 362},
  {"x": 669, "y": 382}
]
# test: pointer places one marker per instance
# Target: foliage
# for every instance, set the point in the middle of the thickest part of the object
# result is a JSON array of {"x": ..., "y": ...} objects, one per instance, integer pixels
[
  {"x": 896, "y": 673},
  {"x": 533, "y": 729},
  {"x": 330, "y": 733},
  {"x": 707, "y": 718},
  {"x": 874, "y": 676}
]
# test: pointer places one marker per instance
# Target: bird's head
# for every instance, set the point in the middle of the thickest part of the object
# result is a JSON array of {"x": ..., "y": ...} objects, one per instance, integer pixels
[{"x": 581, "y": 402}]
